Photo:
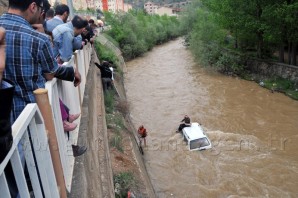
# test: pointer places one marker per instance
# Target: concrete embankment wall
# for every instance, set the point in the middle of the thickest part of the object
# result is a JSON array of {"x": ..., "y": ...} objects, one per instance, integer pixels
[
  {"x": 272, "y": 69},
  {"x": 120, "y": 88},
  {"x": 92, "y": 175}
]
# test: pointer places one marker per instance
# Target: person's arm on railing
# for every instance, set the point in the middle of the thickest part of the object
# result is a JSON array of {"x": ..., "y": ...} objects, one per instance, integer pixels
[{"x": 65, "y": 73}]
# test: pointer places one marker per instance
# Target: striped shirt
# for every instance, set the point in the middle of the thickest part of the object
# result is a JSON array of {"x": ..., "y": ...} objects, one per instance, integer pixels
[{"x": 28, "y": 57}]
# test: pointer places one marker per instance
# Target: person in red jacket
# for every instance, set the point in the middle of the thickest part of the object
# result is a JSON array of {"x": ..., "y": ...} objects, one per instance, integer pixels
[{"x": 142, "y": 133}]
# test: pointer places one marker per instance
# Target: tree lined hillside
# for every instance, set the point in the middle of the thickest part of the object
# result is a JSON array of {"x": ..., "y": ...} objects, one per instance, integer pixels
[
  {"x": 140, "y": 3},
  {"x": 252, "y": 28},
  {"x": 137, "y": 32}
]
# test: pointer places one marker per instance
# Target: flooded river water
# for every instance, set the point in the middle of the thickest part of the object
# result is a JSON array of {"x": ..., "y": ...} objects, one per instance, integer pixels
[{"x": 254, "y": 132}]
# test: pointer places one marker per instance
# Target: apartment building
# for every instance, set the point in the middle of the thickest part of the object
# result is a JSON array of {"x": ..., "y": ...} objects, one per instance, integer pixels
[
  {"x": 127, "y": 7},
  {"x": 104, "y": 5},
  {"x": 150, "y": 7},
  {"x": 109, "y": 5}
]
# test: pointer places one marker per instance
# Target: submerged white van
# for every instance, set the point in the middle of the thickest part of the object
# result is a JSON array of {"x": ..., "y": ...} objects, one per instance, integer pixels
[{"x": 196, "y": 137}]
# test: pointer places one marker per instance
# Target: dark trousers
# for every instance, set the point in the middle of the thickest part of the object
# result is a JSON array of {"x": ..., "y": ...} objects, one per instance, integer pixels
[
  {"x": 6, "y": 138},
  {"x": 106, "y": 83},
  {"x": 181, "y": 126}
]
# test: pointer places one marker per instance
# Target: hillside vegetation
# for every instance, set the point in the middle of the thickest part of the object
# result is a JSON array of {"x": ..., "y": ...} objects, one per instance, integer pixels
[
  {"x": 139, "y": 4},
  {"x": 136, "y": 32},
  {"x": 224, "y": 34},
  {"x": 242, "y": 28}
]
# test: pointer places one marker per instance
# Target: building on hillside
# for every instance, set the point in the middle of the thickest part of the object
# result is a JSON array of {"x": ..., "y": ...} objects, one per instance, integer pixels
[
  {"x": 103, "y": 5},
  {"x": 165, "y": 11},
  {"x": 90, "y": 4},
  {"x": 109, "y": 5},
  {"x": 150, "y": 7},
  {"x": 79, "y": 4},
  {"x": 176, "y": 10},
  {"x": 61, "y": 1},
  {"x": 178, "y": 6},
  {"x": 120, "y": 5},
  {"x": 127, "y": 7}
]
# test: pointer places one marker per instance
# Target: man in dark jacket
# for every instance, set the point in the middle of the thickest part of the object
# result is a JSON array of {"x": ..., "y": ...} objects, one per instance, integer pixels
[
  {"x": 106, "y": 75},
  {"x": 185, "y": 123}
]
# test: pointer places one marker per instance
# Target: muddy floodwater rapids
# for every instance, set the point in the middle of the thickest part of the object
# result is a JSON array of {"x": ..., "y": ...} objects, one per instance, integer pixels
[{"x": 254, "y": 132}]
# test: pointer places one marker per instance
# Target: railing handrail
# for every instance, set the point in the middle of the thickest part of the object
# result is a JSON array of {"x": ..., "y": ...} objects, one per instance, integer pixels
[
  {"x": 31, "y": 118},
  {"x": 72, "y": 97},
  {"x": 18, "y": 130}
]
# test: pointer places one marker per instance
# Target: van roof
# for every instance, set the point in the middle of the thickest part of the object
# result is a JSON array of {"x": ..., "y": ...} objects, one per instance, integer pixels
[{"x": 194, "y": 132}]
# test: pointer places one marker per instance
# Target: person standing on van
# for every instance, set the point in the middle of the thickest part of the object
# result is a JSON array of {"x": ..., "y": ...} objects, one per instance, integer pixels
[
  {"x": 185, "y": 123},
  {"x": 142, "y": 133}
]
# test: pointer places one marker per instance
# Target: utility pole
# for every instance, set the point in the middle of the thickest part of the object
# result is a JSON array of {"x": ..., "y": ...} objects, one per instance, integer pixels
[{"x": 71, "y": 13}]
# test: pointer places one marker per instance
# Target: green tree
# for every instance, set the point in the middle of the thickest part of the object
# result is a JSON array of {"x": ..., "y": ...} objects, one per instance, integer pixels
[
  {"x": 257, "y": 27},
  {"x": 136, "y": 32}
]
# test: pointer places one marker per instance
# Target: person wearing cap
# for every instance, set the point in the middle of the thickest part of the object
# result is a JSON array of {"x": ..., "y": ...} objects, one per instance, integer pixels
[{"x": 185, "y": 123}]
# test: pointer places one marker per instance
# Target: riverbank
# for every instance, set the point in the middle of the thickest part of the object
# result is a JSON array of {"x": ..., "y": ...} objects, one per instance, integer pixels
[
  {"x": 249, "y": 128},
  {"x": 274, "y": 84},
  {"x": 273, "y": 76},
  {"x": 129, "y": 171},
  {"x": 108, "y": 163}
]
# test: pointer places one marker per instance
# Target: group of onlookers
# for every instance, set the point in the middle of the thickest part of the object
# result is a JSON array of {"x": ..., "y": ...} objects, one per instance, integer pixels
[{"x": 34, "y": 44}]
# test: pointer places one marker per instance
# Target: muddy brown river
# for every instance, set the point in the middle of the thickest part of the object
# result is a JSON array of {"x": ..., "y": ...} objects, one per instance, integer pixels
[{"x": 254, "y": 132}]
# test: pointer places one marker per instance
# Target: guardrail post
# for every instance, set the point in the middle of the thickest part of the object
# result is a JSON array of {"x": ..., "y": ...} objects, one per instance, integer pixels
[
  {"x": 83, "y": 77},
  {"x": 42, "y": 100}
]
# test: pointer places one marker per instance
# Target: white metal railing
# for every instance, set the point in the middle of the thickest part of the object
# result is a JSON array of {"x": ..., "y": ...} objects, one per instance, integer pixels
[
  {"x": 72, "y": 97},
  {"x": 30, "y": 120}
]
